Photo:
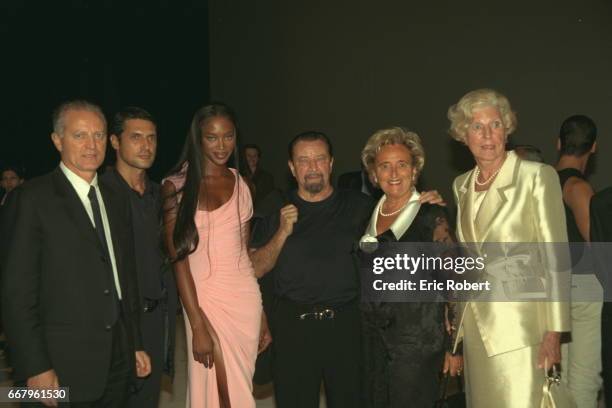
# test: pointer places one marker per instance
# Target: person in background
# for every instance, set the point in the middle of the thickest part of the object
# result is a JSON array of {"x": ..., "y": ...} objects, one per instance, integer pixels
[
  {"x": 134, "y": 139},
  {"x": 582, "y": 355},
  {"x": 600, "y": 212},
  {"x": 260, "y": 181},
  {"x": 10, "y": 178},
  {"x": 361, "y": 181},
  {"x": 529, "y": 152}
]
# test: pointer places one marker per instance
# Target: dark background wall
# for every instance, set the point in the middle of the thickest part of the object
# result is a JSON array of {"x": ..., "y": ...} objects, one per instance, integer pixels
[
  {"x": 347, "y": 68},
  {"x": 149, "y": 53},
  {"x": 351, "y": 67}
]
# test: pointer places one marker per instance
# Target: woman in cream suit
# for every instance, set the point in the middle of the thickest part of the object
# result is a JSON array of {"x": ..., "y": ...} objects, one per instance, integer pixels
[{"x": 507, "y": 200}]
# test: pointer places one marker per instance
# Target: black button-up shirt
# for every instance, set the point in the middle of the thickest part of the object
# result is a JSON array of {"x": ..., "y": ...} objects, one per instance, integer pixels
[{"x": 147, "y": 233}]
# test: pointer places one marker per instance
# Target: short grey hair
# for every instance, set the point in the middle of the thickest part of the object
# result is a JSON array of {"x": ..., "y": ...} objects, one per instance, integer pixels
[
  {"x": 78, "y": 104},
  {"x": 391, "y": 136},
  {"x": 461, "y": 113}
]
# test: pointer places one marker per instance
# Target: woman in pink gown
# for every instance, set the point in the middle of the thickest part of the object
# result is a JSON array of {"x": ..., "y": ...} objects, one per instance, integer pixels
[{"x": 207, "y": 209}]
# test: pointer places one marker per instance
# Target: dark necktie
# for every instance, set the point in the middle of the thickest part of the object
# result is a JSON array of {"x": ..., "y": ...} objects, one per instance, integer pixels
[{"x": 95, "y": 207}]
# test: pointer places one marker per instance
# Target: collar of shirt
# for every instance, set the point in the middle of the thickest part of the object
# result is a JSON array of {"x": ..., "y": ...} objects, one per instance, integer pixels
[
  {"x": 82, "y": 189},
  {"x": 81, "y": 186},
  {"x": 402, "y": 222},
  {"x": 148, "y": 191}
]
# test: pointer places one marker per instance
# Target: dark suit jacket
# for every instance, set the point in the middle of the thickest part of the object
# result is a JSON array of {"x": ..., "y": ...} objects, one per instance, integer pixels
[
  {"x": 264, "y": 184},
  {"x": 355, "y": 180},
  {"x": 58, "y": 313}
]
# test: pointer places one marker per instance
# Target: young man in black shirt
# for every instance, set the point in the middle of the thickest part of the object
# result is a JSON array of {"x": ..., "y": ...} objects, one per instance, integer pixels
[
  {"x": 582, "y": 356},
  {"x": 134, "y": 138}
]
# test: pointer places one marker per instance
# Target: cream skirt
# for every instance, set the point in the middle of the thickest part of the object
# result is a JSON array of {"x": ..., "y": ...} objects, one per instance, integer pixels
[{"x": 507, "y": 380}]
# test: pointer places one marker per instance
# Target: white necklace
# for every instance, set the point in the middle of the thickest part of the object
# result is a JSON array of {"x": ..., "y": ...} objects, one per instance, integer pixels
[
  {"x": 380, "y": 211},
  {"x": 487, "y": 180}
]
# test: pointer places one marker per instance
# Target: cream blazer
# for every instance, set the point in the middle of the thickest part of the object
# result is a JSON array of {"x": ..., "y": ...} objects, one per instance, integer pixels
[{"x": 523, "y": 205}]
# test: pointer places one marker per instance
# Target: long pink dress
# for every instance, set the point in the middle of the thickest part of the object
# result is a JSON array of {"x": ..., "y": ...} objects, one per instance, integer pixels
[{"x": 229, "y": 296}]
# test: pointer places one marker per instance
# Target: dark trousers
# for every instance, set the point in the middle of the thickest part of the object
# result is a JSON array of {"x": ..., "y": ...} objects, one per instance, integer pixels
[
  {"x": 606, "y": 351},
  {"x": 146, "y": 391},
  {"x": 119, "y": 375},
  {"x": 309, "y": 351}
]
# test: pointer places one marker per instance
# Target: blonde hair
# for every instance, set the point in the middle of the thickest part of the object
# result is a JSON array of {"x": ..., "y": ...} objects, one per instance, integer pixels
[
  {"x": 393, "y": 136},
  {"x": 460, "y": 114}
]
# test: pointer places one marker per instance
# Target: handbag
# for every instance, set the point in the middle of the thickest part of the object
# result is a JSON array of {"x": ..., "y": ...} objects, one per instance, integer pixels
[{"x": 554, "y": 392}]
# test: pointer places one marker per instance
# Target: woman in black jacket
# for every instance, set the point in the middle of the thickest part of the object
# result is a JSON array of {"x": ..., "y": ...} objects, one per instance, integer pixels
[{"x": 405, "y": 343}]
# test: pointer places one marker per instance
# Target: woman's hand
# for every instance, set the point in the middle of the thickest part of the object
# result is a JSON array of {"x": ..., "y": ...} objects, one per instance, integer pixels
[
  {"x": 431, "y": 197},
  {"x": 452, "y": 364},
  {"x": 550, "y": 350},
  {"x": 265, "y": 336},
  {"x": 203, "y": 345}
]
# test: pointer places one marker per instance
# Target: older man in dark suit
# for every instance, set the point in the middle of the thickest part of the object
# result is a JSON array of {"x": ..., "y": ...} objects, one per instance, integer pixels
[{"x": 69, "y": 293}]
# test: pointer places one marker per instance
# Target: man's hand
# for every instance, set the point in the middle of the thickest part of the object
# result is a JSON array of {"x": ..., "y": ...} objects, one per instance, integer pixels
[
  {"x": 432, "y": 197},
  {"x": 264, "y": 258},
  {"x": 265, "y": 336},
  {"x": 288, "y": 217},
  {"x": 143, "y": 364},
  {"x": 45, "y": 381},
  {"x": 550, "y": 350}
]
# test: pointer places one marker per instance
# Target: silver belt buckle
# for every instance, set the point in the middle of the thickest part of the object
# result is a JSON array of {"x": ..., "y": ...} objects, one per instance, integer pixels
[{"x": 325, "y": 314}]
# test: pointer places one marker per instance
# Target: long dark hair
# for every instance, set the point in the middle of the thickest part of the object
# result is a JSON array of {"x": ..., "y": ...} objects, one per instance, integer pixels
[{"x": 189, "y": 166}]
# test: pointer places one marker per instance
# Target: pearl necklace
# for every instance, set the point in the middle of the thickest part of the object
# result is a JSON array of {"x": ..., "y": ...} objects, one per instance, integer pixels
[
  {"x": 380, "y": 211},
  {"x": 484, "y": 183}
]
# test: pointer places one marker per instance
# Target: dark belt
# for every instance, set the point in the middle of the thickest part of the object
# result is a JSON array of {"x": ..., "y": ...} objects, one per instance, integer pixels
[
  {"x": 316, "y": 311},
  {"x": 149, "y": 305}
]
